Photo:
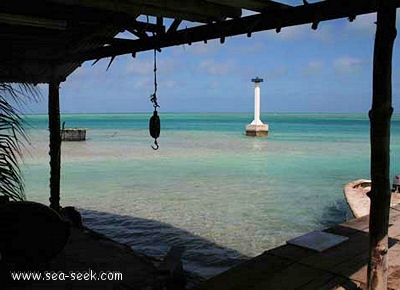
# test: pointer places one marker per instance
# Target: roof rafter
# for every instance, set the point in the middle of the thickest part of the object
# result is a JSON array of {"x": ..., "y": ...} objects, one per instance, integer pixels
[
  {"x": 174, "y": 25},
  {"x": 30, "y": 51},
  {"x": 310, "y": 13},
  {"x": 254, "y": 5},
  {"x": 15, "y": 19},
  {"x": 52, "y": 16},
  {"x": 199, "y": 11}
]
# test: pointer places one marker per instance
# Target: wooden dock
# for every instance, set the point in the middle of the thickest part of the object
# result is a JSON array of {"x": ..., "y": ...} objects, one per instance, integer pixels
[{"x": 291, "y": 267}]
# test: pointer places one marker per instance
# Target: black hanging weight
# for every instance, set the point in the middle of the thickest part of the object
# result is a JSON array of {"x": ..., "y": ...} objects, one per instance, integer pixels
[{"x": 154, "y": 125}]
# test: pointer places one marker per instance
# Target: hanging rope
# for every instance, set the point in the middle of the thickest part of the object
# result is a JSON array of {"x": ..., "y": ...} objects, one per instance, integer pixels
[
  {"x": 154, "y": 123},
  {"x": 153, "y": 96}
]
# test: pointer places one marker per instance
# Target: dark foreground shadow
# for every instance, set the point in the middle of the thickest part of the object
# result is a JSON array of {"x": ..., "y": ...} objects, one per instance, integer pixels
[
  {"x": 201, "y": 256},
  {"x": 343, "y": 266},
  {"x": 335, "y": 213}
]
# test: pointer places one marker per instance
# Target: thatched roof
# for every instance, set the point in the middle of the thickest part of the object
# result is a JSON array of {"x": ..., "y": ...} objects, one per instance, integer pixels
[{"x": 45, "y": 39}]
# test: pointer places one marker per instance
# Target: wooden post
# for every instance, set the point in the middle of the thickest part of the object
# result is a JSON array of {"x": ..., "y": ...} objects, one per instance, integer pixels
[
  {"x": 55, "y": 144},
  {"x": 380, "y": 115}
]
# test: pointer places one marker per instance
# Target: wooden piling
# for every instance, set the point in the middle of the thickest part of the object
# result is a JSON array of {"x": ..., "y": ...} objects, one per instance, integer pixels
[{"x": 380, "y": 115}]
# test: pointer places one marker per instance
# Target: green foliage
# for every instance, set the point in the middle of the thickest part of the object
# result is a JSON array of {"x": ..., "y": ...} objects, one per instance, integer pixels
[{"x": 12, "y": 137}]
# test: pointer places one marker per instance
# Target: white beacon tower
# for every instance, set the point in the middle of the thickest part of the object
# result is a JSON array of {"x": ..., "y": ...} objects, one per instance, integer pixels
[{"x": 257, "y": 128}]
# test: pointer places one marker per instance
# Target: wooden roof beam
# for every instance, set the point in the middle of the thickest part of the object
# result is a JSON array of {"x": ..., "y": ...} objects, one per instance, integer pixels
[
  {"x": 116, "y": 40},
  {"x": 320, "y": 11},
  {"x": 193, "y": 10},
  {"x": 144, "y": 26},
  {"x": 137, "y": 33},
  {"x": 254, "y": 5},
  {"x": 174, "y": 25},
  {"x": 24, "y": 20},
  {"x": 65, "y": 17}
]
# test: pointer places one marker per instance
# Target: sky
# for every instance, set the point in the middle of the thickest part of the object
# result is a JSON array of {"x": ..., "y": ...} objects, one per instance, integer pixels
[{"x": 327, "y": 70}]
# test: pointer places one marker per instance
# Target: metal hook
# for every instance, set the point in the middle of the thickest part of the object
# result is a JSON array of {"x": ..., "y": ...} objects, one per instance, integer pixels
[{"x": 155, "y": 147}]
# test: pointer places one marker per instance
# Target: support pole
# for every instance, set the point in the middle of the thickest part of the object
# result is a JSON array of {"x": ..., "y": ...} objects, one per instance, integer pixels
[
  {"x": 380, "y": 115},
  {"x": 55, "y": 144}
]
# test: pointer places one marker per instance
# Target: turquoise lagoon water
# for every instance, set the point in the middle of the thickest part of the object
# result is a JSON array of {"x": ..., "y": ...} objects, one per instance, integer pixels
[{"x": 222, "y": 195}]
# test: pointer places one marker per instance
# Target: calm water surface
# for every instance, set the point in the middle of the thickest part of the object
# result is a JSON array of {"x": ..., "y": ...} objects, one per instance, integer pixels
[{"x": 223, "y": 195}]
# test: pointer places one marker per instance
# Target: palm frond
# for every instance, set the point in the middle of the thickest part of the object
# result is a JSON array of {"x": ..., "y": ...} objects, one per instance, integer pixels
[{"x": 12, "y": 137}]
